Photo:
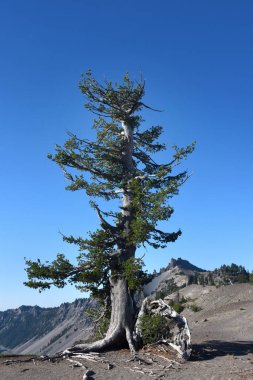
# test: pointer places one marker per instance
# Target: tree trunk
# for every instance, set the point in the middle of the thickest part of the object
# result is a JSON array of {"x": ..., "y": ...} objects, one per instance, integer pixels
[
  {"x": 128, "y": 249},
  {"x": 122, "y": 320},
  {"x": 122, "y": 313}
]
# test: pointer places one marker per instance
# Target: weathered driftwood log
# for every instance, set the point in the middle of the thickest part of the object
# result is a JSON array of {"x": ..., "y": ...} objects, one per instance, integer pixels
[{"x": 180, "y": 339}]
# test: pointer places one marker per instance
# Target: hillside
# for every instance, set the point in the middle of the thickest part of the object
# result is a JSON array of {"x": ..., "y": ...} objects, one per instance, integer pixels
[
  {"x": 32, "y": 329},
  {"x": 222, "y": 314},
  {"x": 181, "y": 273}
]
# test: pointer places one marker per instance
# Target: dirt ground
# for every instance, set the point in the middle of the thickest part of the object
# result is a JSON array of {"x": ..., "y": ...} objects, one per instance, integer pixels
[
  {"x": 222, "y": 337},
  {"x": 211, "y": 360}
]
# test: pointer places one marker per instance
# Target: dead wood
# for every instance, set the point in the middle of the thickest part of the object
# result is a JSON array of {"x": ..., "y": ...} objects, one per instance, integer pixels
[{"x": 181, "y": 337}]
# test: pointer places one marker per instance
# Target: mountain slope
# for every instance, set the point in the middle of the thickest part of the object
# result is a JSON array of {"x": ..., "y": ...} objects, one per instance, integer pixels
[
  {"x": 32, "y": 329},
  {"x": 179, "y": 271}
]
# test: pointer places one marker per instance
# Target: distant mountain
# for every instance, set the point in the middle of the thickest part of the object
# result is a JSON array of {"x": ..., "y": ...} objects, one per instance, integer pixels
[
  {"x": 32, "y": 329},
  {"x": 184, "y": 265},
  {"x": 181, "y": 273}
]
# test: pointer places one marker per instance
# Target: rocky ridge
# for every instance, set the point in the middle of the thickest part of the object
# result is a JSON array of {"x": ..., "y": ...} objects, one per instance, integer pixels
[{"x": 32, "y": 329}]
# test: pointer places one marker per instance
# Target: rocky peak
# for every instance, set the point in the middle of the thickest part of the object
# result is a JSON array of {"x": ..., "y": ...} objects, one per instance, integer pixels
[{"x": 183, "y": 265}]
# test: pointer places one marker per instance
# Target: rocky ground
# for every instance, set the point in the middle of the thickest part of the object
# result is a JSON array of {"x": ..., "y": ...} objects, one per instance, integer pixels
[{"x": 222, "y": 336}]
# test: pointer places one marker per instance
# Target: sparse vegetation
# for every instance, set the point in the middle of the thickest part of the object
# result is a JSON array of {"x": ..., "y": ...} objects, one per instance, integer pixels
[
  {"x": 56, "y": 337},
  {"x": 170, "y": 287},
  {"x": 195, "y": 308},
  {"x": 178, "y": 303},
  {"x": 101, "y": 319},
  {"x": 154, "y": 328},
  {"x": 177, "y": 306},
  {"x": 101, "y": 328}
]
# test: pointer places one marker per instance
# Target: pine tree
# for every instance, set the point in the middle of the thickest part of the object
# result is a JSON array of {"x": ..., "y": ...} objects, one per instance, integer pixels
[{"x": 118, "y": 165}]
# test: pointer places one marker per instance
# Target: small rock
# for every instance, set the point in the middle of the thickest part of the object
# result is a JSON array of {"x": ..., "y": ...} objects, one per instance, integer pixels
[
  {"x": 110, "y": 366},
  {"x": 88, "y": 375}
]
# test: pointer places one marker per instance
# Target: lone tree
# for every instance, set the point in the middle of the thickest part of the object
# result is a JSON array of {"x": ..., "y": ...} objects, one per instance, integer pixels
[{"x": 117, "y": 166}]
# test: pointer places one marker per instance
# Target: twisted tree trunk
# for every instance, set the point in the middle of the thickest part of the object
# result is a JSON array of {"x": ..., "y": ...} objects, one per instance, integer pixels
[{"x": 122, "y": 321}]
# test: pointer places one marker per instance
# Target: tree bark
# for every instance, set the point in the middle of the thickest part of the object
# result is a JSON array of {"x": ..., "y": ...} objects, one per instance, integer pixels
[
  {"x": 128, "y": 249},
  {"x": 122, "y": 314},
  {"x": 122, "y": 320}
]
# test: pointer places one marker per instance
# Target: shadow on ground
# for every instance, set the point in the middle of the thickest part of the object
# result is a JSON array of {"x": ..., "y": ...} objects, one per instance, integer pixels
[{"x": 214, "y": 348}]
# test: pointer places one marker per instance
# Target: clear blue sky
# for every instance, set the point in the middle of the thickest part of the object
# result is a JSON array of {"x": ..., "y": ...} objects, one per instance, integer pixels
[{"x": 197, "y": 60}]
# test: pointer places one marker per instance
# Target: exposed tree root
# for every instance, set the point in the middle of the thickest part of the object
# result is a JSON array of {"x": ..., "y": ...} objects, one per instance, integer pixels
[{"x": 121, "y": 324}]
